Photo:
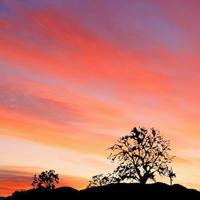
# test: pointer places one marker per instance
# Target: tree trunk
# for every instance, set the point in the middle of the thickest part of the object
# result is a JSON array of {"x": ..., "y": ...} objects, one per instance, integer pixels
[{"x": 143, "y": 179}]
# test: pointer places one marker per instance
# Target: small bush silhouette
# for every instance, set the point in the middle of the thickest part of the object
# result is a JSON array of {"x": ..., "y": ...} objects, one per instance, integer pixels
[
  {"x": 99, "y": 180},
  {"x": 47, "y": 179},
  {"x": 171, "y": 175}
]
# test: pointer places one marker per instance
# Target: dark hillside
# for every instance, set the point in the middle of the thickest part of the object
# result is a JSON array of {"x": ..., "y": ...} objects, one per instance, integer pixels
[
  {"x": 138, "y": 191},
  {"x": 117, "y": 191},
  {"x": 57, "y": 194}
]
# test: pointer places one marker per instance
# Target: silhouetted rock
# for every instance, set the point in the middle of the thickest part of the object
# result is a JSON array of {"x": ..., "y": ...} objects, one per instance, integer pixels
[{"x": 114, "y": 191}]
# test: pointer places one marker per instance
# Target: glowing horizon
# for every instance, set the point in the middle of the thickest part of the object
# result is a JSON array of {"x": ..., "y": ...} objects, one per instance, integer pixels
[{"x": 76, "y": 75}]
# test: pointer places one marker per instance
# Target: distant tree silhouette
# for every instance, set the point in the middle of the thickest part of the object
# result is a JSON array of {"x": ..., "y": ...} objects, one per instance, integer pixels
[
  {"x": 171, "y": 175},
  {"x": 141, "y": 155},
  {"x": 47, "y": 179}
]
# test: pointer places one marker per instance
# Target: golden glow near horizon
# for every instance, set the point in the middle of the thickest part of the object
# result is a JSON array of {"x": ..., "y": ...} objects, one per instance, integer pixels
[{"x": 76, "y": 75}]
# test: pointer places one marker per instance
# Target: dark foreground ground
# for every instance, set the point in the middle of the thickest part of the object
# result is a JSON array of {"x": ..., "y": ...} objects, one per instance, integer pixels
[{"x": 118, "y": 191}]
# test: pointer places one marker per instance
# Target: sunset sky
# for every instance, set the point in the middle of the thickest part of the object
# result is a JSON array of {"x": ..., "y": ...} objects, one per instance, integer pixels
[{"x": 75, "y": 75}]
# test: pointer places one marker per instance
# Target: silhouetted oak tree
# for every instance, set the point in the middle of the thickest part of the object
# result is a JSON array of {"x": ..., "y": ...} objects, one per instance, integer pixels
[
  {"x": 47, "y": 179},
  {"x": 141, "y": 155}
]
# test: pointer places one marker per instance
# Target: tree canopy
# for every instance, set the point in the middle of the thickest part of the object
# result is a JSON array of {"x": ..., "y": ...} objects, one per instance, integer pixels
[
  {"x": 140, "y": 156},
  {"x": 47, "y": 179}
]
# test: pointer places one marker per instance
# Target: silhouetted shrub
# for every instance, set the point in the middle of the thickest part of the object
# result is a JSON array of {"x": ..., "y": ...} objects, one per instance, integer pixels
[{"x": 171, "y": 175}]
